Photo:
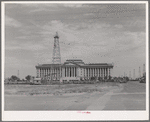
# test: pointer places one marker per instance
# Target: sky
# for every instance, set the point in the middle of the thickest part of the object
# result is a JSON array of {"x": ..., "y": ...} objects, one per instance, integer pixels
[{"x": 95, "y": 33}]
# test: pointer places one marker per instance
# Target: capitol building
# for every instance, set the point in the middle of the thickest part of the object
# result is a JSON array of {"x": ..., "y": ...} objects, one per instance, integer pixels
[{"x": 72, "y": 69}]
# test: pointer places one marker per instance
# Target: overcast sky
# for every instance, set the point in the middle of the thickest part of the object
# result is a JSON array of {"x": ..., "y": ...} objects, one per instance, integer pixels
[{"x": 95, "y": 33}]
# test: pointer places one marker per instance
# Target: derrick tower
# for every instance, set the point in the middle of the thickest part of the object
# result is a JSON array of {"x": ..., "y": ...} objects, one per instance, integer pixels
[{"x": 56, "y": 50}]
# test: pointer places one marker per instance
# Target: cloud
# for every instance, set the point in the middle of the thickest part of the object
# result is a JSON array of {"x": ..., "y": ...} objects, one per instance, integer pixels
[
  {"x": 73, "y": 5},
  {"x": 12, "y": 22},
  {"x": 93, "y": 34},
  {"x": 118, "y": 26},
  {"x": 30, "y": 46}
]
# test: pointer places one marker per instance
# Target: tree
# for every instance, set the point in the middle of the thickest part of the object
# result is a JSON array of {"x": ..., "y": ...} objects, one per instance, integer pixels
[
  {"x": 28, "y": 77},
  {"x": 100, "y": 78},
  {"x": 93, "y": 78},
  {"x": 14, "y": 78},
  {"x": 110, "y": 77}
]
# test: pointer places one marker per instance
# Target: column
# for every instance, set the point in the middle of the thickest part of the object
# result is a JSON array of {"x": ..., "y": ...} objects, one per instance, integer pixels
[
  {"x": 105, "y": 72},
  {"x": 96, "y": 72},
  {"x": 93, "y": 71},
  {"x": 90, "y": 72},
  {"x": 56, "y": 73},
  {"x": 39, "y": 72},
  {"x": 65, "y": 71},
  {"x": 86, "y": 72},
  {"x": 74, "y": 72},
  {"x": 43, "y": 72},
  {"x": 71, "y": 71},
  {"x": 48, "y": 71},
  {"x": 68, "y": 71},
  {"x": 102, "y": 73},
  {"x": 108, "y": 73}
]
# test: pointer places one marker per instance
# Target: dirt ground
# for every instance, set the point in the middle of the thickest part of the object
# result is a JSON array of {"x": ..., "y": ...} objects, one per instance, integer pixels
[
  {"x": 57, "y": 97},
  {"x": 76, "y": 97}
]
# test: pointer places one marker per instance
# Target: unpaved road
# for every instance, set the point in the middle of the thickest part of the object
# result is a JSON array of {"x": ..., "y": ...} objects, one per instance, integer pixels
[{"x": 128, "y": 96}]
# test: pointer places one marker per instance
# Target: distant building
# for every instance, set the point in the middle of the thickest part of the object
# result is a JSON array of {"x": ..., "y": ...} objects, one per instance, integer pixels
[{"x": 73, "y": 69}]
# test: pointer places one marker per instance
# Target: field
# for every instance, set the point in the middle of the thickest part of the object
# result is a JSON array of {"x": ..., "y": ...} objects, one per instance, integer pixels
[
  {"x": 55, "y": 97},
  {"x": 57, "y": 89},
  {"x": 100, "y": 96}
]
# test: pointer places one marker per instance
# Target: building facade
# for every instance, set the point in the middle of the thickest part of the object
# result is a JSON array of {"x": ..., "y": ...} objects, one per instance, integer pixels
[{"x": 74, "y": 70}]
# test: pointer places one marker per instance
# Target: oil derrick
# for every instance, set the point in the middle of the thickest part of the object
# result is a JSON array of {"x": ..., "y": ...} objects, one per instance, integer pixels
[
  {"x": 56, "y": 50},
  {"x": 134, "y": 74},
  {"x": 130, "y": 75},
  {"x": 56, "y": 60},
  {"x": 18, "y": 73},
  {"x": 139, "y": 72},
  {"x": 144, "y": 70}
]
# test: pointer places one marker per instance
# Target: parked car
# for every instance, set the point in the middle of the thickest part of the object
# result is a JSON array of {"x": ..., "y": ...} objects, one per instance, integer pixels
[{"x": 142, "y": 80}]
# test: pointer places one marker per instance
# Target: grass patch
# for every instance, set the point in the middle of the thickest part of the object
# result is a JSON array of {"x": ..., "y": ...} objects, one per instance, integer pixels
[{"x": 58, "y": 89}]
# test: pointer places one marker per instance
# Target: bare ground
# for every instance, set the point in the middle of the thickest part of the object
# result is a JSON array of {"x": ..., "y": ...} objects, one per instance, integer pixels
[{"x": 55, "y": 97}]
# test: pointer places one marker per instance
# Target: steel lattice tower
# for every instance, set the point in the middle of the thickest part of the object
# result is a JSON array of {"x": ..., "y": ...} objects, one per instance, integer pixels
[{"x": 56, "y": 50}]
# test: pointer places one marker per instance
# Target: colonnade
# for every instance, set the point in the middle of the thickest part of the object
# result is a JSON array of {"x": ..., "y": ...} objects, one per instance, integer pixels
[
  {"x": 42, "y": 72},
  {"x": 99, "y": 72},
  {"x": 70, "y": 71},
  {"x": 74, "y": 72}
]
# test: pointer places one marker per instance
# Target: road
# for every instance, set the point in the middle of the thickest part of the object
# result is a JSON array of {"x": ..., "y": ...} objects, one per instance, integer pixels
[
  {"x": 129, "y": 96},
  {"x": 132, "y": 96}
]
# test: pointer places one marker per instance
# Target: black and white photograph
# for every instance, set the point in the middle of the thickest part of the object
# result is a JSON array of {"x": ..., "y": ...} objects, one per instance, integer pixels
[{"x": 74, "y": 60}]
